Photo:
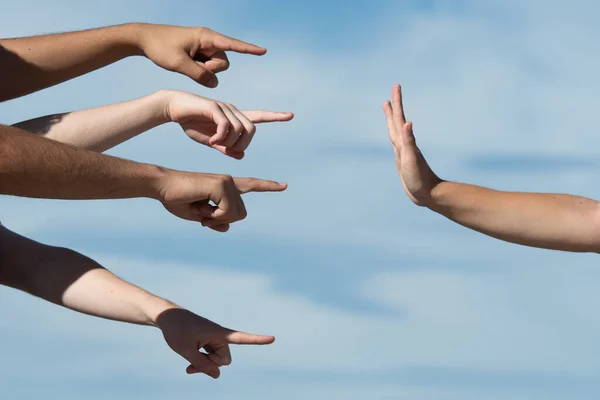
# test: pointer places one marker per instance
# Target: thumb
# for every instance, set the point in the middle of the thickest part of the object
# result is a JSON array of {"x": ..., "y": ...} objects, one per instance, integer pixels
[
  {"x": 261, "y": 116},
  {"x": 237, "y": 337},
  {"x": 198, "y": 72}
]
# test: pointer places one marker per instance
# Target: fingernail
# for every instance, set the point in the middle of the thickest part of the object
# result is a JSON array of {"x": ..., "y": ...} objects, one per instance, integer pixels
[{"x": 212, "y": 82}]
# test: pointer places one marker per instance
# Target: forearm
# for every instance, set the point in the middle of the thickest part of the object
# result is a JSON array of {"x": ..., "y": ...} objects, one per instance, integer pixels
[
  {"x": 69, "y": 279},
  {"x": 100, "y": 293},
  {"x": 31, "y": 166},
  {"x": 99, "y": 129},
  {"x": 552, "y": 221},
  {"x": 33, "y": 63}
]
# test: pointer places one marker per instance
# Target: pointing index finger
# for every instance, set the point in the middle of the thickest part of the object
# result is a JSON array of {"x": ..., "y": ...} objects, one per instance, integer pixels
[
  {"x": 246, "y": 185},
  {"x": 261, "y": 116},
  {"x": 227, "y": 43},
  {"x": 236, "y": 337}
]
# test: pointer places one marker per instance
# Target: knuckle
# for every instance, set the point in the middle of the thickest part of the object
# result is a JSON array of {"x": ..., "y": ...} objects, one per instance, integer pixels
[{"x": 226, "y": 179}]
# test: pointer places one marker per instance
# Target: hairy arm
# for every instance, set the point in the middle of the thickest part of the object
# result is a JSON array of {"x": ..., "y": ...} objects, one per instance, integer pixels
[
  {"x": 99, "y": 129},
  {"x": 37, "y": 62},
  {"x": 550, "y": 221},
  {"x": 33, "y": 166}
]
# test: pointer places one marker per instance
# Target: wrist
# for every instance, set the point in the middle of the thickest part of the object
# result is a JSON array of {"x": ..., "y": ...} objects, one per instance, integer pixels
[
  {"x": 440, "y": 197},
  {"x": 161, "y": 101},
  {"x": 153, "y": 182},
  {"x": 133, "y": 37},
  {"x": 153, "y": 307},
  {"x": 125, "y": 38},
  {"x": 164, "y": 100}
]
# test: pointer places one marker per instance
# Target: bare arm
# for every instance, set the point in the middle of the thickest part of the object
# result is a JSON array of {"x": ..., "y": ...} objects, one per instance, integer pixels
[
  {"x": 202, "y": 119},
  {"x": 37, "y": 62},
  {"x": 69, "y": 279},
  {"x": 550, "y": 221},
  {"x": 32, "y": 166},
  {"x": 99, "y": 129},
  {"x": 34, "y": 63}
]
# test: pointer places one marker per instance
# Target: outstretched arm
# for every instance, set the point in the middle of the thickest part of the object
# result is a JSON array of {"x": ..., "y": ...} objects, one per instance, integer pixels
[
  {"x": 212, "y": 123},
  {"x": 69, "y": 279},
  {"x": 32, "y": 166},
  {"x": 34, "y": 63},
  {"x": 551, "y": 221}
]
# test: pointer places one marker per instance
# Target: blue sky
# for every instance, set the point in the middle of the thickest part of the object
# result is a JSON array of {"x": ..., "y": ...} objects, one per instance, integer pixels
[{"x": 369, "y": 296}]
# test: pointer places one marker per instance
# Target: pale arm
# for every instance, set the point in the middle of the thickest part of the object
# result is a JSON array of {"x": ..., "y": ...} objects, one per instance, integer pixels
[
  {"x": 550, "y": 221},
  {"x": 99, "y": 129},
  {"x": 70, "y": 279},
  {"x": 206, "y": 121}
]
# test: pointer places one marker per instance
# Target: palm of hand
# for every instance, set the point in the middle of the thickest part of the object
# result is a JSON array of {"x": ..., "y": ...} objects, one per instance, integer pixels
[{"x": 417, "y": 177}]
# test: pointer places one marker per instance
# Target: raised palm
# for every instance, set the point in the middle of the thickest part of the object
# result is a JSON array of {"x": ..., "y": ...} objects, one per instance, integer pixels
[{"x": 417, "y": 177}]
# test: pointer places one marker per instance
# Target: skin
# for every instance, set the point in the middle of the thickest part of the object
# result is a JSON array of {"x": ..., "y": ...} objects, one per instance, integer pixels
[
  {"x": 550, "y": 221},
  {"x": 37, "y": 166},
  {"x": 38, "y": 62},
  {"x": 71, "y": 280},
  {"x": 202, "y": 119},
  {"x": 32, "y": 166}
]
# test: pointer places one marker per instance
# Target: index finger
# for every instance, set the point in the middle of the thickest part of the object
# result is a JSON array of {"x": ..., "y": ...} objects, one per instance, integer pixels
[
  {"x": 227, "y": 43},
  {"x": 246, "y": 185},
  {"x": 236, "y": 337},
  {"x": 397, "y": 106},
  {"x": 261, "y": 116}
]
